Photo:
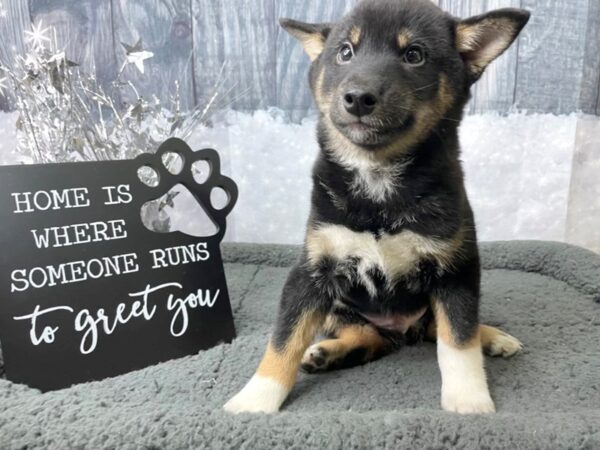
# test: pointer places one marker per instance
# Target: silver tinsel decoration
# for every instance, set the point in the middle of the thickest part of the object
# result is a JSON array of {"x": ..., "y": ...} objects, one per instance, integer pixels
[{"x": 65, "y": 115}]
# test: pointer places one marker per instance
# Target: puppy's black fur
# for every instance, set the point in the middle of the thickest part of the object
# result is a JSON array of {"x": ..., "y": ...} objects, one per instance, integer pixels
[
  {"x": 430, "y": 197},
  {"x": 391, "y": 236}
]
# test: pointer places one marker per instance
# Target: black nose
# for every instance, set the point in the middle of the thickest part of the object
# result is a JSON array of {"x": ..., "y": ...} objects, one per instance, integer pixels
[{"x": 360, "y": 103}]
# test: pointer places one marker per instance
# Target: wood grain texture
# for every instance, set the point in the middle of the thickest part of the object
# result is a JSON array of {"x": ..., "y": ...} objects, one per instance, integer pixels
[
  {"x": 84, "y": 29},
  {"x": 242, "y": 35},
  {"x": 165, "y": 27},
  {"x": 495, "y": 90},
  {"x": 554, "y": 67},
  {"x": 12, "y": 39},
  {"x": 589, "y": 99},
  {"x": 551, "y": 55},
  {"x": 293, "y": 93}
]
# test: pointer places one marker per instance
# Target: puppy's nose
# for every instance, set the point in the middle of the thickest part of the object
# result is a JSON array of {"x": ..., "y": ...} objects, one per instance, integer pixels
[{"x": 359, "y": 103}]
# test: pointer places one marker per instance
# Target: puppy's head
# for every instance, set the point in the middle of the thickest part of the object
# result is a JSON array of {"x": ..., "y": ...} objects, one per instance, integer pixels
[{"x": 391, "y": 70}]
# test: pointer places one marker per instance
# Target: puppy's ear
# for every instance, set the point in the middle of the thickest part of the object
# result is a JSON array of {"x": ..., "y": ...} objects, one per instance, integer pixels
[
  {"x": 481, "y": 39},
  {"x": 311, "y": 35}
]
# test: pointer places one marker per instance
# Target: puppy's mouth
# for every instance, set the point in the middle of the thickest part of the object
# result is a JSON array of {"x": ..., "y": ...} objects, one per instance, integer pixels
[{"x": 372, "y": 133}]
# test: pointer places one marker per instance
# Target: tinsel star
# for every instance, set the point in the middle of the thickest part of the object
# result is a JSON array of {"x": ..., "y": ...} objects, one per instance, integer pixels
[
  {"x": 65, "y": 114},
  {"x": 136, "y": 55},
  {"x": 37, "y": 36}
]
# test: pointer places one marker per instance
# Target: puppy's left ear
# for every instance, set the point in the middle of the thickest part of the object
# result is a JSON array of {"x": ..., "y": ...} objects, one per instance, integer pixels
[
  {"x": 481, "y": 39},
  {"x": 311, "y": 35}
]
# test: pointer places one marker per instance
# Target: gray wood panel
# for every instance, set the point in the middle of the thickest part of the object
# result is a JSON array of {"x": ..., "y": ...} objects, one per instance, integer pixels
[
  {"x": 293, "y": 94},
  {"x": 590, "y": 84},
  {"x": 84, "y": 29},
  {"x": 551, "y": 54},
  {"x": 555, "y": 67},
  {"x": 496, "y": 88},
  {"x": 242, "y": 35},
  {"x": 165, "y": 27},
  {"x": 13, "y": 43}
]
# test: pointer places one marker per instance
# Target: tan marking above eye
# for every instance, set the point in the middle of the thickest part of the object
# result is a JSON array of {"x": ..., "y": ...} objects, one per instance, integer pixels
[
  {"x": 355, "y": 34},
  {"x": 404, "y": 37}
]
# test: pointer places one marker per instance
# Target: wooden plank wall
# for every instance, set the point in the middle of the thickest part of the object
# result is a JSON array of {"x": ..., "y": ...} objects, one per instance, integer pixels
[
  {"x": 168, "y": 32},
  {"x": 83, "y": 29},
  {"x": 12, "y": 42},
  {"x": 589, "y": 99},
  {"x": 555, "y": 67},
  {"x": 242, "y": 35}
]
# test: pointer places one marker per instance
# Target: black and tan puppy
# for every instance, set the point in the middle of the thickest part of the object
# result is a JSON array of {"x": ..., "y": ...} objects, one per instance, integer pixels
[{"x": 390, "y": 252}]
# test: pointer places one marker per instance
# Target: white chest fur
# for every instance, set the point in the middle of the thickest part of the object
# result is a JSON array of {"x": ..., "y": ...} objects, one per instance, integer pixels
[
  {"x": 394, "y": 254},
  {"x": 376, "y": 185}
]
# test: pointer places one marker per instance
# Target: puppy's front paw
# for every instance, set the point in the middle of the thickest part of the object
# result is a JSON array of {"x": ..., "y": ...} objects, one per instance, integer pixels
[
  {"x": 464, "y": 401},
  {"x": 260, "y": 395},
  {"x": 504, "y": 345},
  {"x": 464, "y": 385}
]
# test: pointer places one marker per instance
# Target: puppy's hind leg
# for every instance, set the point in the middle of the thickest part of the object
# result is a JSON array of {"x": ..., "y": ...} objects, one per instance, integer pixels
[
  {"x": 494, "y": 341},
  {"x": 301, "y": 314},
  {"x": 350, "y": 343}
]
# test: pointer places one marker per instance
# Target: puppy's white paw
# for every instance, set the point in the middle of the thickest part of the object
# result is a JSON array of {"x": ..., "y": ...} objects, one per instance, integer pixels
[
  {"x": 503, "y": 345},
  {"x": 473, "y": 402},
  {"x": 260, "y": 395},
  {"x": 464, "y": 385}
]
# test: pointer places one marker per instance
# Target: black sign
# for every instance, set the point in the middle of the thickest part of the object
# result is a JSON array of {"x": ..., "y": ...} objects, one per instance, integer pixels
[{"x": 86, "y": 290}]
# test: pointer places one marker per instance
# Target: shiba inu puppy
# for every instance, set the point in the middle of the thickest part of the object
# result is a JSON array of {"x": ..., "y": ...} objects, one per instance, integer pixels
[{"x": 391, "y": 253}]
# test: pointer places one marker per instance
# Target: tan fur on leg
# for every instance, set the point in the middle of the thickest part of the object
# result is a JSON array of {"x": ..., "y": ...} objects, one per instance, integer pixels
[
  {"x": 464, "y": 383},
  {"x": 276, "y": 374},
  {"x": 330, "y": 352},
  {"x": 283, "y": 365},
  {"x": 494, "y": 341}
]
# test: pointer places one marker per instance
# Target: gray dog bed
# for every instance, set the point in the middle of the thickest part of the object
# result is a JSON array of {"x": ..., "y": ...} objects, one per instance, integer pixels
[{"x": 548, "y": 396}]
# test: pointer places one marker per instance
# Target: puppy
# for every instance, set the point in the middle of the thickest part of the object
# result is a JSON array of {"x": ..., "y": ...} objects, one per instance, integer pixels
[{"x": 390, "y": 254}]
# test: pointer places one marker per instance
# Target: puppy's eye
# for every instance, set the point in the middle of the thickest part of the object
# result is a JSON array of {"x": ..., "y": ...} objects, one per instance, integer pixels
[
  {"x": 346, "y": 53},
  {"x": 414, "y": 55}
]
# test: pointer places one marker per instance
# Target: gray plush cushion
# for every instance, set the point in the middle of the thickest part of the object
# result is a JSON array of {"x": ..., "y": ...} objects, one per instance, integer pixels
[{"x": 546, "y": 294}]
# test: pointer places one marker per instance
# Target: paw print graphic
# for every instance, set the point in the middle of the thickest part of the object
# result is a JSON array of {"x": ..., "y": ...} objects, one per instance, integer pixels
[{"x": 174, "y": 163}]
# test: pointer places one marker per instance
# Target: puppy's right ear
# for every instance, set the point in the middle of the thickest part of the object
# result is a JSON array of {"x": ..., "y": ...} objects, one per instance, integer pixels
[
  {"x": 483, "y": 38},
  {"x": 311, "y": 35}
]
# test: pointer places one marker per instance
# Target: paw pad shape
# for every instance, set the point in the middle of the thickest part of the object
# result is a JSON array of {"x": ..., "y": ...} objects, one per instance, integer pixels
[{"x": 173, "y": 164}]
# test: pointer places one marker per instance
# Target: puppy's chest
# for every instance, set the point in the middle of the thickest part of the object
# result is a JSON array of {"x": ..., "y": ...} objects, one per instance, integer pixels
[
  {"x": 392, "y": 255},
  {"x": 375, "y": 186},
  {"x": 375, "y": 201}
]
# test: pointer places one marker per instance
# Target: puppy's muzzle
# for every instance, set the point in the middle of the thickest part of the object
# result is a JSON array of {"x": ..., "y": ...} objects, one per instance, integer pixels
[{"x": 360, "y": 103}]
